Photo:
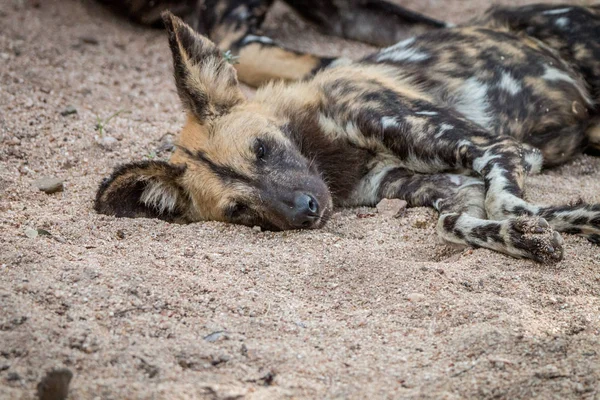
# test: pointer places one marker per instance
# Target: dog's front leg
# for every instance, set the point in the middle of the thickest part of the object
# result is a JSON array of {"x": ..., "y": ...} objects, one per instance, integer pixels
[{"x": 460, "y": 201}]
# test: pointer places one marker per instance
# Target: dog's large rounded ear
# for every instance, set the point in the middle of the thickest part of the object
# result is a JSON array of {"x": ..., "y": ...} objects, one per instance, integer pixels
[
  {"x": 144, "y": 189},
  {"x": 206, "y": 82}
]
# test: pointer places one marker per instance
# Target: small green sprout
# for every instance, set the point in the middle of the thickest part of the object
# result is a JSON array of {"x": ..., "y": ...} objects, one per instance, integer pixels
[
  {"x": 230, "y": 58},
  {"x": 102, "y": 123}
]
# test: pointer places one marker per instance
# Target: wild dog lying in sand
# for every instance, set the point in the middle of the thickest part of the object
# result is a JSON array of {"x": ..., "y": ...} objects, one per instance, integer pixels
[
  {"x": 454, "y": 119},
  {"x": 235, "y": 26}
]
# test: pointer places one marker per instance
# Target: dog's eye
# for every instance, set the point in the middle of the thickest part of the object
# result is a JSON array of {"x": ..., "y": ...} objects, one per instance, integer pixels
[
  {"x": 260, "y": 150},
  {"x": 236, "y": 210}
]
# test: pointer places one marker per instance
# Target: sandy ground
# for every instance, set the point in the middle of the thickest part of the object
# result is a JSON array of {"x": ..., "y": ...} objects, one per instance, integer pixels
[{"x": 368, "y": 307}]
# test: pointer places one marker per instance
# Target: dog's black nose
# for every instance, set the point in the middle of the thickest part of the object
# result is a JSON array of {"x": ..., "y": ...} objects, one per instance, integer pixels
[{"x": 306, "y": 210}]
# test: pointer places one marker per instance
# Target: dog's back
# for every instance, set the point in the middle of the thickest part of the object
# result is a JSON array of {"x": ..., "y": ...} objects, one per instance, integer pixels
[{"x": 573, "y": 31}]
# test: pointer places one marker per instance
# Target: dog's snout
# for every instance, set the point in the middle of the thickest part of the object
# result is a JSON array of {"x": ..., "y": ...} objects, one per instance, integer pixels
[{"x": 306, "y": 210}]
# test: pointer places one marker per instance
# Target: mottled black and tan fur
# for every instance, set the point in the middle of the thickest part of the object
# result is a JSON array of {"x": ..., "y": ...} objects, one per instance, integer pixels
[
  {"x": 235, "y": 26},
  {"x": 455, "y": 119}
]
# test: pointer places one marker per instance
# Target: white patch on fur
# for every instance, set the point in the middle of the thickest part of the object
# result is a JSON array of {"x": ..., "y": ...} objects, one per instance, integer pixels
[
  {"x": 443, "y": 129},
  {"x": 471, "y": 181},
  {"x": 456, "y": 179},
  {"x": 387, "y": 122},
  {"x": 403, "y": 54},
  {"x": 400, "y": 45},
  {"x": 498, "y": 200},
  {"x": 472, "y": 102},
  {"x": 366, "y": 193},
  {"x": 353, "y": 134},
  {"x": 535, "y": 159},
  {"x": 432, "y": 113},
  {"x": 480, "y": 163},
  {"x": 466, "y": 223},
  {"x": 259, "y": 39},
  {"x": 241, "y": 13},
  {"x": 554, "y": 74},
  {"x": 160, "y": 197},
  {"x": 368, "y": 188},
  {"x": 340, "y": 62},
  {"x": 510, "y": 84},
  {"x": 463, "y": 142},
  {"x": 557, "y": 11},
  {"x": 562, "y": 22}
]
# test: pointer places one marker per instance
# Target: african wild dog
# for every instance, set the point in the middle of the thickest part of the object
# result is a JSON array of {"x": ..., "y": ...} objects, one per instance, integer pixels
[
  {"x": 455, "y": 119},
  {"x": 235, "y": 26}
]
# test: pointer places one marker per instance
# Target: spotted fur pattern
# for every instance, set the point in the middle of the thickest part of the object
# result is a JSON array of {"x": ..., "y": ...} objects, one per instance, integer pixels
[
  {"x": 235, "y": 26},
  {"x": 453, "y": 119}
]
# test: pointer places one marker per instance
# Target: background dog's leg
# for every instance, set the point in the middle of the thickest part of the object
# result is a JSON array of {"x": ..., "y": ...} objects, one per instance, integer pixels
[
  {"x": 461, "y": 203},
  {"x": 234, "y": 25},
  {"x": 258, "y": 58},
  {"x": 261, "y": 59},
  {"x": 377, "y": 22}
]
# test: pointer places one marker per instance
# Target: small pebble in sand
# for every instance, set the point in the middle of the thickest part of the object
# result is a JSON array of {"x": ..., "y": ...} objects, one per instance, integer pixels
[
  {"x": 49, "y": 184},
  {"x": 189, "y": 253},
  {"x": 89, "y": 40},
  {"x": 393, "y": 208},
  {"x": 13, "y": 377},
  {"x": 31, "y": 233},
  {"x": 415, "y": 297},
  {"x": 69, "y": 110},
  {"x": 55, "y": 385},
  {"x": 215, "y": 336},
  {"x": 106, "y": 142},
  {"x": 549, "y": 372}
]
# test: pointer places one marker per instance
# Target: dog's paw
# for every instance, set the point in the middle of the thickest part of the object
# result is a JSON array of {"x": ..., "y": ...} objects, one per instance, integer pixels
[{"x": 534, "y": 238}]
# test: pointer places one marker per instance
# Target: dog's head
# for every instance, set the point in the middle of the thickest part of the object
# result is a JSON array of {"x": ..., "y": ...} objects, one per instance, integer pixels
[{"x": 234, "y": 161}]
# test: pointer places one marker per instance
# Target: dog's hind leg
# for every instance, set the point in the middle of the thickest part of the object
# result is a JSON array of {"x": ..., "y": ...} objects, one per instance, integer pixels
[
  {"x": 460, "y": 201},
  {"x": 235, "y": 26},
  {"x": 377, "y": 22},
  {"x": 257, "y": 58},
  {"x": 261, "y": 59}
]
